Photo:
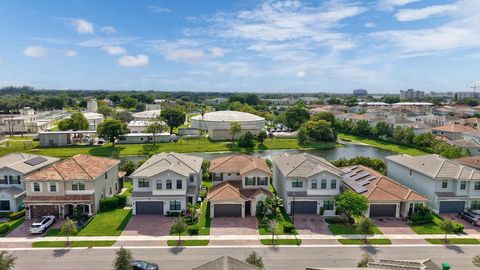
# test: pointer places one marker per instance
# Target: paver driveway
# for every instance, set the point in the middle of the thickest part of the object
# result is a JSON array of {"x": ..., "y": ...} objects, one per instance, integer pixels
[
  {"x": 234, "y": 225},
  {"x": 311, "y": 224},
  {"x": 150, "y": 225},
  {"x": 393, "y": 226},
  {"x": 469, "y": 228},
  {"x": 24, "y": 229}
]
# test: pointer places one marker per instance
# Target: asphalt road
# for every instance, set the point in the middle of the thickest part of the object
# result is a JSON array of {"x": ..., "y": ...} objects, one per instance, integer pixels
[{"x": 290, "y": 258}]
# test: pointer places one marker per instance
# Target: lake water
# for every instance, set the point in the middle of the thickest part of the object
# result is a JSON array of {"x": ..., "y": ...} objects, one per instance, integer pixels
[{"x": 345, "y": 151}]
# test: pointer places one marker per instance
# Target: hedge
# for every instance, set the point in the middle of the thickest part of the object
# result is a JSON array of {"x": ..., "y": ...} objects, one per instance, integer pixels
[
  {"x": 4, "y": 228},
  {"x": 110, "y": 203},
  {"x": 17, "y": 215}
]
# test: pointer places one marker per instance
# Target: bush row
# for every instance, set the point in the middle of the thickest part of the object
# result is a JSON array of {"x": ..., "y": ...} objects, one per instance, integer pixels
[{"x": 117, "y": 201}]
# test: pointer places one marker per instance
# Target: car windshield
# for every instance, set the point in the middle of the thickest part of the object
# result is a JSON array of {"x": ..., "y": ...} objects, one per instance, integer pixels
[
  {"x": 38, "y": 220},
  {"x": 36, "y": 225}
]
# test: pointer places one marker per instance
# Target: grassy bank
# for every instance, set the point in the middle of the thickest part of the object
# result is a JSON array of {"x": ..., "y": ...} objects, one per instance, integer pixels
[
  {"x": 188, "y": 243},
  {"x": 402, "y": 149},
  {"x": 62, "y": 244},
  {"x": 454, "y": 241},
  {"x": 362, "y": 241},
  {"x": 340, "y": 229},
  {"x": 269, "y": 242}
]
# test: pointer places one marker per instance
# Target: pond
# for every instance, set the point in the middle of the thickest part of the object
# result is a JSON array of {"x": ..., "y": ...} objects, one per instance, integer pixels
[{"x": 345, "y": 151}]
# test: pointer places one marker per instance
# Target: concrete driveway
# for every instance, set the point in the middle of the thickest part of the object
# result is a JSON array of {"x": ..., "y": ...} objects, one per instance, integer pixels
[
  {"x": 311, "y": 224},
  {"x": 393, "y": 226},
  {"x": 23, "y": 229},
  {"x": 234, "y": 225},
  {"x": 150, "y": 225},
  {"x": 469, "y": 228}
]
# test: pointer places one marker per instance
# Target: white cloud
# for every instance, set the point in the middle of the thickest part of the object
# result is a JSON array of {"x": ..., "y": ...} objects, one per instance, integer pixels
[
  {"x": 370, "y": 25},
  {"x": 389, "y": 5},
  {"x": 216, "y": 52},
  {"x": 406, "y": 15},
  {"x": 108, "y": 29},
  {"x": 185, "y": 54},
  {"x": 70, "y": 53},
  {"x": 83, "y": 26},
  {"x": 114, "y": 50},
  {"x": 157, "y": 9},
  {"x": 133, "y": 61},
  {"x": 35, "y": 51},
  {"x": 300, "y": 74}
]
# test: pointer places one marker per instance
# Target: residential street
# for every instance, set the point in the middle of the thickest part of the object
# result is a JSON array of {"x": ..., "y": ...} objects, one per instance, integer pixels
[{"x": 282, "y": 258}]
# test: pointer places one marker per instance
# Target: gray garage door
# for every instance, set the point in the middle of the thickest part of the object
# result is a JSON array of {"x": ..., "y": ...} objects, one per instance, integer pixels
[
  {"x": 227, "y": 210},
  {"x": 303, "y": 207},
  {"x": 383, "y": 210},
  {"x": 149, "y": 207},
  {"x": 452, "y": 207}
]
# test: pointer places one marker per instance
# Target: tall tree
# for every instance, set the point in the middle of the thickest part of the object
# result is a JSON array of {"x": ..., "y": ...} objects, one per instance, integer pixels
[
  {"x": 255, "y": 259},
  {"x": 68, "y": 228},
  {"x": 7, "y": 261},
  {"x": 128, "y": 103},
  {"x": 351, "y": 204},
  {"x": 111, "y": 130},
  {"x": 123, "y": 259},
  {"x": 124, "y": 116},
  {"x": 77, "y": 121},
  {"x": 261, "y": 137},
  {"x": 173, "y": 117},
  {"x": 316, "y": 131},
  {"x": 179, "y": 227},
  {"x": 447, "y": 226},
  {"x": 105, "y": 111},
  {"x": 365, "y": 226},
  {"x": 234, "y": 129},
  {"x": 295, "y": 116},
  {"x": 155, "y": 128}
]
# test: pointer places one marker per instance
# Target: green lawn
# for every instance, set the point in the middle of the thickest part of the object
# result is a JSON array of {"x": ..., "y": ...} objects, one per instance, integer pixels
[
  {"x": 109, "y": 223},
  {"x": 129, "y": 186},
  {"x": 362, "y": 242},
  {"x": 403, "y": 149},
  {"x": 13, "y": 224},
  {"x": 431, "y": 228},
  {"x": 188, "y": 243},
  {"x": 56, "y": 232},
  {"x": 269, "y": 242},
  {"x": 204, "y": 221},
  {"x": 454, "y": 241},
  {"x": 61, "y": 244},
  {"x": 338, "y": 229}
]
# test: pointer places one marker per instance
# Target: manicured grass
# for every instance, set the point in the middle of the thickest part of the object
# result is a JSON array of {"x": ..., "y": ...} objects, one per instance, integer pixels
[
  {"x": 187, "y": 243},
  {"x": 269, "y": 242},
  {"x": 61, "y": 244},
  {"x": 129, "y": 186},
  {"x": 204, "y": 221},
  {"x": 338, "y": 229},
  {"x": 109, "y": 223},
  {"x": 403, "y": 149},
  {"x": 56, "y": 232},
  {"x": 13, "y": 224},
  {"x": 362, "y": 241},
  {"x": 430, "y": 228},
  {"x": 454, "y": 241}
]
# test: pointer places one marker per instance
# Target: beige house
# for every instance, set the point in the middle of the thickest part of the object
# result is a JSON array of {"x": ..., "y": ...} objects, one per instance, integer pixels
[
  {"x": 81, "y": 180},
  {"x": 239, "y": 183}
]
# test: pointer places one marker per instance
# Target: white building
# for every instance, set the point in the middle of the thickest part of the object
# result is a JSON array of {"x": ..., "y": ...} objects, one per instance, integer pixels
[
  {"x": 92, "y": 105},
  {"x": 223, "y": 120},
  {"x": 94, "y": 119},
  {"x": 150, "y": 115}
]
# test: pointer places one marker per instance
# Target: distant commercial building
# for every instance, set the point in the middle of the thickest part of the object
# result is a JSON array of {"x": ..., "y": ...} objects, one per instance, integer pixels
[
  {"x": 448, "y": 95},
  {"x": 464, "y": 95},
  {"x": 92, "y": 105},
  {"x": 360, "y": 92},
  {"x": 412, "y": 94}
]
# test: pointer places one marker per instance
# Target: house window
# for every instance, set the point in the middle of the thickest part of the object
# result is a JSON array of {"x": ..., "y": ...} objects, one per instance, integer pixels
[
  {"x": 262, "y": 181},
  {"x": 10, "y": 179},
  {"x": 78, "y": 186},
  {"x": 16, "y": 180},
  {"x": 175, "y": 206},
  {"x": 327, "y": 205},
  {"x": 410, "y": 172},
  {"x": 4, "y": 181},
  {"x": 217, "y": 177},
  {"x": 475, "y": 205},
  {"x": 323, "y": 184},
  {"x": 229, "y": 174},
  {"x": 476, "y": 186},
  {"x": 159, "y": 184},
  {"x": 106, "y": 175},
  {"x": 5, "y": 205},
  {"x": 444, "y": 184},
  {"x": 463, "y": 185},
  {"x": 249, "y": 181},
  {"x": 297, "y": 183},
  {"x": 333, "y": 184},
  {"x": 192, "y": 178},
  {"x": 169, "y": 184},
  {"x": 238, "y": 173},
  {"x": 143, "y": 183},
  {"x": 52, "y": 186},
  {"x": 179, "y": 184},
  {"x": 314, "y": 184},
  {"x": 36, "y": 187}
]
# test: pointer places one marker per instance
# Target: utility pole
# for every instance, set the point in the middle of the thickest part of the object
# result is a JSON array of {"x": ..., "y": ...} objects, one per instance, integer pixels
[{"x": 474, "y": 87}]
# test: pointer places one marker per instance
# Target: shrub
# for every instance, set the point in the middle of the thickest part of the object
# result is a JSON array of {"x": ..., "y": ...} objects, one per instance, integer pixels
[
  {"x": 335, "y": 220},
  {"x": 5, "y": 214},
  {"x": 247, "y": 140},
  {"x": 17, "y": 215},
  {"x": 108, "y": 203},
  {"x": 458, "y": 227},
  {"x": 322, "y": 211},
  {"x": 422, "y": 215},
  {"x": 4, "y": 228},
  {"x": 122, "y": 200},
  {"x": 288, "y": 227},
  {"x": 193, "y": 229},
  {"x": 173, "y": 214}
]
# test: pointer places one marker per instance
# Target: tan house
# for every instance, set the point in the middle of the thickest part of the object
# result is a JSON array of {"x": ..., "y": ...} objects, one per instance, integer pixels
[
  {"x": 239, "y": 183},
  {"x": 81, "y": 180},
  {"x": 452, "y": 131},
  {"x": 386, "y": 197}
]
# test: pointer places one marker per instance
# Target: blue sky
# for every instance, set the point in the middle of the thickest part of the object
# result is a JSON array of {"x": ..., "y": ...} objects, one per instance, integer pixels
[{"x": 263, "y": 46}]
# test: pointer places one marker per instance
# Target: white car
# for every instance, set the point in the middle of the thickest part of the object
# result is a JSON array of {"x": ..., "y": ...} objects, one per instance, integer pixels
[{"x": 40, "y": 225}]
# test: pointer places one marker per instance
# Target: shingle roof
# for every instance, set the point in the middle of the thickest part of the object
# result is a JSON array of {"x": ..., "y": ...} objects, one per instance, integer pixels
[
  {"x": 79, "y": 167},
  {"x": 455, "y": 128},
  {"x": 377, "y": 186},
  {"x": 12, "y": 191},
  {"x": 239, "y": 163},
  {"x": 436, "y": 167},
  {"x": 226, "y": 263},
  {"x": 20, "y": 162},
  {"x": 178, "y": 163},
  {"x": 473, "y": 161},
  {"x": 304, "y": 165}
]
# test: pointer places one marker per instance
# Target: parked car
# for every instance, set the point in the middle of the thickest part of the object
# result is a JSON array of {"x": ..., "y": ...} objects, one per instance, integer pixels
[
  {"x": 143, "y": 265},
  {"x": 40, "y": 225},
  {"x": 470, "y": 217}
]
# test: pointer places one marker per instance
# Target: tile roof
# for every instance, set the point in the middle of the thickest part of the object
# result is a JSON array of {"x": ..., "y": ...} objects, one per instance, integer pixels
[
  {"x": 436, "y": 167},
  {"x": 473, "y": 161},
  {"x": 226, "y": 263},
  {"x": 378, "y": 187},
  {"x": 20, "y": 162},
  {"x": 304, "y": 165},
  {"x": 79, "y": 167},
  {"x": 232, "y": 191},
  {"x": 239, "y": 163},
  {"x": 455, "y": 128},
  {"x": 178, "y": 163}
]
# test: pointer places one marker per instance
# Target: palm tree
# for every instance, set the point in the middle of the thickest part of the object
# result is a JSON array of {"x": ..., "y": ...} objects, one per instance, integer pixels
[
  {"x": 192, "y": 208},
  {"x": 273, "y": 203},
  {"x": 235, "y": 128}
]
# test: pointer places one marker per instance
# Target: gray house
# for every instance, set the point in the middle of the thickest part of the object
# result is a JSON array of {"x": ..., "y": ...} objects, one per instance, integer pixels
[
  {"x": 306, "y": 183},
  {"x": 166, "y": 182},
  {"x": 450, "y": 186},
  {"x": 13, "y": 167}
]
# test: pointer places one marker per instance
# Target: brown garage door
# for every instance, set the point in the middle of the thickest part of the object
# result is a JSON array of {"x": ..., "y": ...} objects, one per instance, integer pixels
[
  {"x": 44, "y": 210},
  {"x": 227, "y": 210}
]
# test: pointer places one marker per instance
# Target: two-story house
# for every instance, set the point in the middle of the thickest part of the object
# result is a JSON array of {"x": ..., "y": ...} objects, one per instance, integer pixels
[
  {"x": 80, "y": 180},
  {"x": 165, "y": 183},
  {"x": 306, "y": 183},
  {"x": 450, "y": 186},
  {"x": 239, "y": 183},
  {"x": 13, "y": 167}
]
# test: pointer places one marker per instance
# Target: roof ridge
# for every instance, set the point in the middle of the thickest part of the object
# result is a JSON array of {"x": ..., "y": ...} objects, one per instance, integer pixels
[
  {"x": 175, "y": 155},
  {"x": 83, "y": 169},
  {"x": 227, "y": 158}
]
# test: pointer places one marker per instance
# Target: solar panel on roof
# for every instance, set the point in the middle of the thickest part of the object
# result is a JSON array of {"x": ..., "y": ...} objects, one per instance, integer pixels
[
  {"x": 35, "y": 161},
  {"x": 360, "y": 175}
]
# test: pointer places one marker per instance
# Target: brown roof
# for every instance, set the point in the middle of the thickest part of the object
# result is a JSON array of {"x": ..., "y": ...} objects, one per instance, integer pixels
[
  {"x": 379, "y": 187},
  {"x": 231, "y": 191},
  {"x": 79, "y": 167},
  {"x": 473, "y": 161},
  {"x": 455, "y": 128},
  {"x": 239, "y": 163},
  {"x": 66, "y": 198}
]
